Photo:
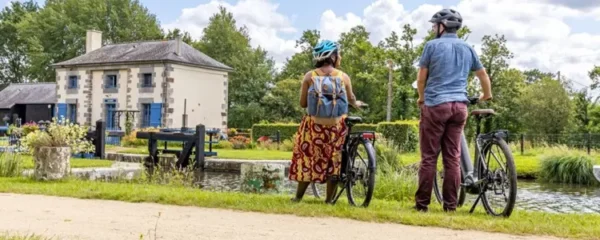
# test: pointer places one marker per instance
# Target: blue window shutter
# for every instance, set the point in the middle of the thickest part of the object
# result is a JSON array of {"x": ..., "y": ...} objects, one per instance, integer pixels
[
  {"x": 155, "y": 114},
  {"x": 61, "y": 110}
]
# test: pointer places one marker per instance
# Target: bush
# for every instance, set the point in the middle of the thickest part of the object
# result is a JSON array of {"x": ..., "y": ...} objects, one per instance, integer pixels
[
  {"x": 570, "y": 168},
  {"x": 388, "y": 156},
  {"x": 364, "y": 127},
  {"x": 400, "y": 185},
  {"x": 29, "y": 128},
  {"x": 57, "y": 134},
  {"x": 287, "y": 130},
  {"x": 404, "y": 134},
  {"x": 131, "y": 140},
  {"x": 223, "y": 145},
  {"x": 11, "y": 165},
  {"x": 240, "y": 142}
]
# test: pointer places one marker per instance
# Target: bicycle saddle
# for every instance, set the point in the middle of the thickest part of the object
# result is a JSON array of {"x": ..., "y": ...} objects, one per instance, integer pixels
[
  {"x": 483, "y": 112},
  {"x": 353, "y": 119}
]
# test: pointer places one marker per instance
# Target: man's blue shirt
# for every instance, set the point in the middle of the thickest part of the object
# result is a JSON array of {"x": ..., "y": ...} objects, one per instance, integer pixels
[{"x": 449, "y": 60}]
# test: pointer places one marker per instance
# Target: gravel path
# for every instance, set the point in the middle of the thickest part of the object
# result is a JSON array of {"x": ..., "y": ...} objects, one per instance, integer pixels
[{"x": 69, "y": 218}]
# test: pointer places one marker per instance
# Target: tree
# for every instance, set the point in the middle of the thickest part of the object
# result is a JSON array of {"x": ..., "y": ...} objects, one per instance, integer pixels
[
  {"x": 57, "y": 32},
  {"x": 283, "y": 102},
  {"x": 545, "y": 107},
  {"x": 494, "y": 55},
  {"x": 13, "y": 48},
  {"x": 301, "y": 62},
  {"x": 253, "y": 69},
  {"x": 582, "y": 105},
  {"x": 594, "y": 74},
  {"x": 365, "y": 64},
  {"x": 185, "y": 36},
  {"x": 534, "y": 75}
]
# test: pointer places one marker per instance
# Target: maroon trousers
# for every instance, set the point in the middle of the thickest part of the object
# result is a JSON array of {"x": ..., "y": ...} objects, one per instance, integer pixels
[{"x": 440, "y": 128}]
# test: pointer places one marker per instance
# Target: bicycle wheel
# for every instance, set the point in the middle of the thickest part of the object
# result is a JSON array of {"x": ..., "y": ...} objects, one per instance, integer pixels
[
  {"x": 315, "y": 190},
  {"x": 361, "y": 173},
  {"x": 498, "y": 182},
  {"x": 437, "y": 189}
]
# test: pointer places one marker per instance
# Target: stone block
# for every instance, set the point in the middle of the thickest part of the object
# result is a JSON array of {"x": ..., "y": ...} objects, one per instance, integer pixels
[{"x": 262, "y": 177}]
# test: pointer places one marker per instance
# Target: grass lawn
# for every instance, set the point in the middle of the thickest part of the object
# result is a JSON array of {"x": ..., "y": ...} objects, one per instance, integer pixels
[
  {"x": 247, "y": 154},
  {"x": 580, "y": 226},
  {"x": 75, "y": 162},
  {"x": 527, "y": 165},
  {"x": 21, "y": 237}
]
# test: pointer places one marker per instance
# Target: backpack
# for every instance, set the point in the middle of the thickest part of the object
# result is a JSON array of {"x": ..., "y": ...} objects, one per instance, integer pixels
[{"x": 327, "y": 96}]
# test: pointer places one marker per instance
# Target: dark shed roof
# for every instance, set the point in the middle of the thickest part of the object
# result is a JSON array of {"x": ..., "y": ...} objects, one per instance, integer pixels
[
  {"x": 28, "y": 93},
  {"x": 146, "y": 52}
]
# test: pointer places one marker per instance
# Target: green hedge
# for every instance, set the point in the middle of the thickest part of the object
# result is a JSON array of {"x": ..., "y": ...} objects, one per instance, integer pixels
[
  {"x": 405, "y": 134},
  {"x": 270, "y": 129}
]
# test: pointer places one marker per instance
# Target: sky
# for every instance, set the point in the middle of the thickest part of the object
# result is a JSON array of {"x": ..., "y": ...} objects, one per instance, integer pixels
[{"x": 551, "y": 35}]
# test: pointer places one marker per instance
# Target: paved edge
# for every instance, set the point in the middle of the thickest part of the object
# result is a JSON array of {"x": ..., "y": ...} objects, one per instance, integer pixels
[{"x": 64, "y": 218}]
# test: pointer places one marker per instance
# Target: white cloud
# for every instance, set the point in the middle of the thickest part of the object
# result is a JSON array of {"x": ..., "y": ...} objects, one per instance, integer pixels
[
  {"x": 536, "y": 31},
  {"x": 261, "y": 18}
]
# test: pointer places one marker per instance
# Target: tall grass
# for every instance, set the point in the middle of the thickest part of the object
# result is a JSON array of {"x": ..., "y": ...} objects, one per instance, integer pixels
[
  {"x": 10, "y": 165},
  {"x": 395, "y": 180},
  {"x": 567, "y": 167}
]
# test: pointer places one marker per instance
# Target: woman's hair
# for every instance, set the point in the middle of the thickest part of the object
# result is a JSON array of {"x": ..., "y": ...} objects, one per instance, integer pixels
[{"x": 328, "y": 61}]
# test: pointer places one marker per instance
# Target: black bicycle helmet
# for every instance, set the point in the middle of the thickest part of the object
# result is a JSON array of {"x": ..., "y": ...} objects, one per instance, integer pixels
[{"x": 448, "y": 17}]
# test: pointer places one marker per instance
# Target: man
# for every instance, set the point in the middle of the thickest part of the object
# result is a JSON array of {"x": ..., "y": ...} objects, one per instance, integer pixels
[{"x": 442, "y": 86}]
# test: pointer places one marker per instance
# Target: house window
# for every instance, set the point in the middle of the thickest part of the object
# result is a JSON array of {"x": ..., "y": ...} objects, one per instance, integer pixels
[
  {"x": 72, "y": 113},
  {"x": 111, "y": 81},
  {"x": 146, "y": 115},
  {"x": 147, "y": 80},
  {"x": 72, "y": 82}
]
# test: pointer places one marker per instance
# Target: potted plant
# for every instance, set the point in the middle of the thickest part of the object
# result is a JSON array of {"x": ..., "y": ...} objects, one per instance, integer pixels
[
  {"x": 89, "y": 150},
  {"x": 52, "y": 148}
]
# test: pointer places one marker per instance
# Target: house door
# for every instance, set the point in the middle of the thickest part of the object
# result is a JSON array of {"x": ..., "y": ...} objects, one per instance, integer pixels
[{"x": 110, "y": 116}]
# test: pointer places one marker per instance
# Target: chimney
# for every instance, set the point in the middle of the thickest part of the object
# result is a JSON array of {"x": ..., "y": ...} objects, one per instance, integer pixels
[
  {"x": 93, "y": 40},
  {"x": 178, "y": 46}
]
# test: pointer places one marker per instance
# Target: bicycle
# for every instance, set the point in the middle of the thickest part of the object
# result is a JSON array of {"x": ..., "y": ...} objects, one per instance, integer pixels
[
  {"x": 351, "y": 175},
  {"x": 480, "y": 179}
]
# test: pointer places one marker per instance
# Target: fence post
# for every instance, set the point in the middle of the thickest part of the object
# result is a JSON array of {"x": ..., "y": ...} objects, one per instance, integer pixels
[
  {"x": 278, "y": 138},
  {"x": 589, "y": 143},
  {"x": 100, "y": 139},
  {"x": 200, "y": 133},
  {"x": 522, "y": 143}
]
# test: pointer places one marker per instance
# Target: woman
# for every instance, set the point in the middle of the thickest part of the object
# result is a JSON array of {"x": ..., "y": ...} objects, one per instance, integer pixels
[{"x": 325, "y": 93}]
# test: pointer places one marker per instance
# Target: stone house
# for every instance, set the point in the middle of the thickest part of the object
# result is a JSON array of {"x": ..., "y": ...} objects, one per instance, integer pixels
[
  {"x": 163, "y": 80},
  {"x": 27, "y": 102}
]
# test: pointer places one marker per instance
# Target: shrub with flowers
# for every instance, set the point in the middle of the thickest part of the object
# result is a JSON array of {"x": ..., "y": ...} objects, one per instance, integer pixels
[
  {"x": 240, "y": 142},
  {"x": 57, "y": 134},
  {"x": 29, "y": 128}
]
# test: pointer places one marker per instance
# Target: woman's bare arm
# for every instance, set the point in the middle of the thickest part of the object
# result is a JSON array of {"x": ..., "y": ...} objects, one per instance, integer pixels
[
  {"x": 304, "y": 89},
  {"x": 349, "y": 92}
]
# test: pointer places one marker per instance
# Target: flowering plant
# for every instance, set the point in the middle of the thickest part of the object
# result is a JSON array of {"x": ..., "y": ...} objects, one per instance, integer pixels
[{"x": 57, "y": 134}]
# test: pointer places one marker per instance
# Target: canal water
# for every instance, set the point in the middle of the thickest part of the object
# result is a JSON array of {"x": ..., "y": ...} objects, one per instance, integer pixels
[{"x": 532, "y": 196}]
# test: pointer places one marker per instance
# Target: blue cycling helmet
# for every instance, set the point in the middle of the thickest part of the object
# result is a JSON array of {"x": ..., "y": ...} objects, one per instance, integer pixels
[{"x": 324, "y": 49}]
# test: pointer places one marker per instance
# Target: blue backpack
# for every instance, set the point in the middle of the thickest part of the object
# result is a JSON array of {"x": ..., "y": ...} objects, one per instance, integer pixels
[{"x": 327, "y": 96}]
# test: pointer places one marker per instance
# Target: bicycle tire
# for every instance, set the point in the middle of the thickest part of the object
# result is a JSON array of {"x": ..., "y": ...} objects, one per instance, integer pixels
[
  {"x": 437, "y": 191},
  {"x": 511, "y": 178},
  {"x": 370, "y": 170},
  {"x": 315, "y": 190}
]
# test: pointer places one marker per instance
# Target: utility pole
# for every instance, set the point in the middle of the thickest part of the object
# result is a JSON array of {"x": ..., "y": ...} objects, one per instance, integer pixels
[
  {"x": 558, "y": 76},
  {"x": 389, "y": 98}
]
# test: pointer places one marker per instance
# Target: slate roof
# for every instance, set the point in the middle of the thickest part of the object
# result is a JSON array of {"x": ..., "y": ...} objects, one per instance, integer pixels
[
  {"x": 28, "y": 93},
  {"x": 151, "y": 51}
]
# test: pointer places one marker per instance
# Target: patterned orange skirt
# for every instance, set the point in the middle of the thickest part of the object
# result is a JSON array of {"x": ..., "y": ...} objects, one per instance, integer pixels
[{"x": 317, "y": 151}]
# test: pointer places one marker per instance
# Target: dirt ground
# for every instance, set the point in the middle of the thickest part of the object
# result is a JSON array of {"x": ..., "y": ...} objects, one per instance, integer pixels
[{"x": 68, "y": 218}]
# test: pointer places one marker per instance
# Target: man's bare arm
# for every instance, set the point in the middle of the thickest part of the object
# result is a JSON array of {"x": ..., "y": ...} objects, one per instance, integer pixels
[
  {"x": 486, "y": 84},
  {"x": 421, "y": 80}
]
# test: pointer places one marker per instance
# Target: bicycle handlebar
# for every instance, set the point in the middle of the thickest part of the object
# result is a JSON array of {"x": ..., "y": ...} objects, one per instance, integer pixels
[{"x": 473, "y": 100}]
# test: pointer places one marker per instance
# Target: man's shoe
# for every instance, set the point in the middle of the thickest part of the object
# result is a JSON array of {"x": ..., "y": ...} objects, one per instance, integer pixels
[{"x": 420, "y": 209}]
